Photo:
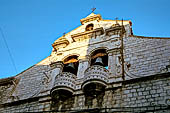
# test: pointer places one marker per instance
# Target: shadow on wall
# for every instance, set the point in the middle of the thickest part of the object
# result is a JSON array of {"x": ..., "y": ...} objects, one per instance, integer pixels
[{"x": 25, "y": 85}]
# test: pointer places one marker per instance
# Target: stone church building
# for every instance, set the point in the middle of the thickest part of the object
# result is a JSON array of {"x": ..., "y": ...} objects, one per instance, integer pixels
[{"x": 99, "y": 67}]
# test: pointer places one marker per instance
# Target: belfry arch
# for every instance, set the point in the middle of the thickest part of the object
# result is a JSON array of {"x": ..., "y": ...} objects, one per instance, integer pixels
[
  {"x": 71, "y": 64},
  {"x": 99, "y": 57}
]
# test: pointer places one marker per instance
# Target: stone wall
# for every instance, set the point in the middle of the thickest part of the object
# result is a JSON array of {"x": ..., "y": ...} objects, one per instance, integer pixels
[
  {"x": 146, "y": 91},
  {"x": 142, "y": 94},
  {"x": 27, "y": 105},
  {"x": 146, "y": 55}
]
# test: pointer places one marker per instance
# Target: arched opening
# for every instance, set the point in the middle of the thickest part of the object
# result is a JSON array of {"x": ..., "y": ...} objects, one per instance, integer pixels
[
  {"x": 71, "y": 64},
  {"x": 94, "y": 94},
  {"x": 89, "y": 27},
  {"x": 61, "y": 99},
  {"x": 99, "y": 57}
]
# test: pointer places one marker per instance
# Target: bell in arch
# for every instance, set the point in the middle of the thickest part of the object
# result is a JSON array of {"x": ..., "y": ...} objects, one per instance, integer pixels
[
  {"x": 70, "y": 65},
  {"x": 99, "y": 61}
]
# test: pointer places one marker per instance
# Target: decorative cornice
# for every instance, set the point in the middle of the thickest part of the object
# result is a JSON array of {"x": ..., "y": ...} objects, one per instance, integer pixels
[
  {"x": 86, "y": 34},
  {"x": 60, "y": 42},
  {"x": 91, "y": 17},
  {"x": 116, "y": 30},
  {"x": 58, "y": 64},
  {"x": 135, "y": 36},
  {"x": 114, "y": 51}
]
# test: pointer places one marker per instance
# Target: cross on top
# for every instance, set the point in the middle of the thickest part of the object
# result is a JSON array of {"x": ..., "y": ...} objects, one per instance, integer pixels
[
  {"x": 116, "y": 19},
  {"x": 64, "y": 34},
  {"x": 93, "y": 9}
]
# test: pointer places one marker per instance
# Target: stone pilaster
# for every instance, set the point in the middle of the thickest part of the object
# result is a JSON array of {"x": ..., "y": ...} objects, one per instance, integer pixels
[
  {"x": 83, "y": 65},
  {"x": 56, "y": 68},
  {"x": 112, "y": 61}
]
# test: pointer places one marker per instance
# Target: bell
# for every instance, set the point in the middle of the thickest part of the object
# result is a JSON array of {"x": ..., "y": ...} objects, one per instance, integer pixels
[
  {"x": 70, "y": 65},
  {"x": 99, "y": 61}
]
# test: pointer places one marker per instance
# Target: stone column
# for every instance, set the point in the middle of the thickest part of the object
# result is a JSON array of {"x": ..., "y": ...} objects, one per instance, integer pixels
[
  {"x": 56, "y": 68},
  {"x": 83, "y": 65},
  {"x": 112, "y": 61}
]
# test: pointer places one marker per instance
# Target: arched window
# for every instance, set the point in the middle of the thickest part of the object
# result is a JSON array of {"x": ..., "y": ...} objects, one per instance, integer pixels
[
  {"x": 89, "y": 27},
  {"x": 99, "y": 57},
  {"x": 71, "y": 64}
]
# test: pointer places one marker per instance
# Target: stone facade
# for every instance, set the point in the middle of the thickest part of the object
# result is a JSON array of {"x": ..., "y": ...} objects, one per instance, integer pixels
[{"x": 98, "y": 67}]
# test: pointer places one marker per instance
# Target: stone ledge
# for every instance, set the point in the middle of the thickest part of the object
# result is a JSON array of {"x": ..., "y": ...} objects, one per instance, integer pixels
[
  {"x": 135, "y": 36},
  {"x": 144, "y": 79},
  {"x": 7, "y": 80},
  {"x": 15, "y": 103},
  {"x": 77, "y": 36}
]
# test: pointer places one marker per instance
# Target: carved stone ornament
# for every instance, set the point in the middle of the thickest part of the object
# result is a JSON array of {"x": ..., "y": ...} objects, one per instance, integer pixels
[
  {"x": 65, "y": 79},
  {"x": 47, "y": 79},
  {"x": 7, "y": 88},
  {"x": 91, "y": 17},
  {"x": 95, "y": 73},
  {"x": 4, "y": 92},
  {"x": 58, "y": 64},
  {"x": 114, "y": 30},
  {"x": 87, "y": 34},
  {"x": 118, "y": 65},
  {"x": 60, "y": 43},
  {"x": 64, "y": 86}
]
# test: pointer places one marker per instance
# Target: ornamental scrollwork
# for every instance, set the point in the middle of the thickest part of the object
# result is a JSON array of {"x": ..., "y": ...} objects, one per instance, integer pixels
[
  {"x": 118, "y": 64},
  {"x": 65, "y": 79},
  {"x": 47, "y": 78}
]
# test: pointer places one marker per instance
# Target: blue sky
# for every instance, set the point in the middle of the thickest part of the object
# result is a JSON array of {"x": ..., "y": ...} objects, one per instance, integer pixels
[{"x": 31, "y": 26}]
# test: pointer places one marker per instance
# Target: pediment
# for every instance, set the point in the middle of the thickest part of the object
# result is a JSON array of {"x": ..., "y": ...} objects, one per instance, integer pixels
[
  {"x": 91, "y": 17},
  {"x": 60, "y": 43}
]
